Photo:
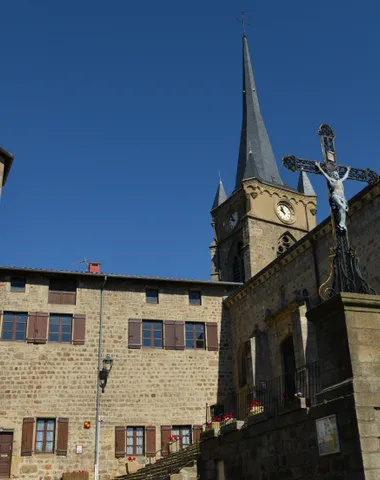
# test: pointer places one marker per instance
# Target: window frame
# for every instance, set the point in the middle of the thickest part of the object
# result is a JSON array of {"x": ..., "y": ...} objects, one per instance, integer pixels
[
  {"x": 45, "y": 431},
  {"x": 151, "y": 332},
  {"x": 180, "y": 435},
  {"x": 195, "y": 302},
  {"x": 14, "y": 326},
  {"x": 60, "y": 325},
  {"x": 194, "y": 335},
  {"x": 134, "y": 436},
  {"x": 150, "y": 299},
  {"x": 17, "y": 289}
]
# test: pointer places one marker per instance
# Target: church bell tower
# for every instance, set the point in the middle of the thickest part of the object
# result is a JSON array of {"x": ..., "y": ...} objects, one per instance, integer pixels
[{"x": 263, "y": 216}]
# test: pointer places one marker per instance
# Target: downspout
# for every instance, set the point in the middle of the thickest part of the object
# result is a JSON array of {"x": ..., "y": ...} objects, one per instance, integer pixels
[{"x": 100, "y": 362}]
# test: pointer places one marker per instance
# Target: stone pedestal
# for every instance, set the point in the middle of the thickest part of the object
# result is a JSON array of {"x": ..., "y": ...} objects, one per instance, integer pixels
[{"x": 348, "y": 337}]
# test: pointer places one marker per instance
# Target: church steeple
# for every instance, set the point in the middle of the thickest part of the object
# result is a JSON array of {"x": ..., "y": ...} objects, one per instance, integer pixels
[
  {"x": 256, "y": 157},
  {"x": 220, "y": 195}
]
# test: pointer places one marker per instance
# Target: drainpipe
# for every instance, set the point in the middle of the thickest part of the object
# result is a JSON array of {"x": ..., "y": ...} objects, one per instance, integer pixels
[{"x": 100, "y": 362}]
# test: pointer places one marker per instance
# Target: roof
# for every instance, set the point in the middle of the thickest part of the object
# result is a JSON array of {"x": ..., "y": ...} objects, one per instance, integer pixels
[
  {"x": 43, "y": 271},
  {"x": 220, "y": 195},
  {"x": 256, "y": 158},
  {"x": 8, "y": 160},
  {"x": 304, "y": 184}
]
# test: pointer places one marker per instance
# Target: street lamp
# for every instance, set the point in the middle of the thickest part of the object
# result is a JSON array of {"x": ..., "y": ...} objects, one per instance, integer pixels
[{"x": 105, "y": 371}]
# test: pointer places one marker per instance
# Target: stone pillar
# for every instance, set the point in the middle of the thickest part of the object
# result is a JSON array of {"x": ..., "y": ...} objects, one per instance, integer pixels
[
  {"x": 304, "y": 338},
  {"x": 348, "y": 337}
]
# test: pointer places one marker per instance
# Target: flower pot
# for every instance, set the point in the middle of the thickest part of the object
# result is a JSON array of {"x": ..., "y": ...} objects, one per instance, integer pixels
[
  {"x": 173, "y": 447},
  {"x": 132, "y": 467}
]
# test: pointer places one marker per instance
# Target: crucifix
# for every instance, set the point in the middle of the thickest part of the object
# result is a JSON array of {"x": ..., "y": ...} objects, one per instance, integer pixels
[
  {"x": 242, "y": 21},
  {"x": 344, "y": 268}
]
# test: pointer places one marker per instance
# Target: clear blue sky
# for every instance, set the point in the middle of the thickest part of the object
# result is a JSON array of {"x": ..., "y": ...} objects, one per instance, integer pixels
[{"x": 121, "y": 113}]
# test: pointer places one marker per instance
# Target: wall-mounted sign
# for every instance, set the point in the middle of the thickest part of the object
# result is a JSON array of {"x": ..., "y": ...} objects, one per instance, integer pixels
[
  {"x": 79, "y": 449},
  {"x": 327, "y": 435}
]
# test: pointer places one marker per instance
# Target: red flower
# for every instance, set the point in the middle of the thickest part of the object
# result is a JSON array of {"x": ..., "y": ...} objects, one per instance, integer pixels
[
  {"x": 215, "y": 419},
  {"x": 173, "y": 438}
]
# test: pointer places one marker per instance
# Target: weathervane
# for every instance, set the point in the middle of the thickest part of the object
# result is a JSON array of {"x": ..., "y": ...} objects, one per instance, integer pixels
[
  {"x": 344, "y": 271},
  {"x": 242, "y": 21}
]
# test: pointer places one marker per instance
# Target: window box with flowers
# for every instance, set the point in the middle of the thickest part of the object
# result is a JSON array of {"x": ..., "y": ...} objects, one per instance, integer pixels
[
  {"x": 256, "y": 413},
  {"x": 132, "y": 465},
  {"x": 173, "y": 444},
  {"x": 230, "y": 424},
  {"x": 211, "y": 430},
  {"x": 290, "y": 403}
]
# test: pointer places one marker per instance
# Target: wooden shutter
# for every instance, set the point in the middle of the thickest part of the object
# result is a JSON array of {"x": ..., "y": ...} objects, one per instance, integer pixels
[
  {"x": 197, "y": 429},
  {"x": 170, "y": 341},
  {"x": 166, "y": 431},
  {"x": 62, "y": 436},
  {"x": 120, "y": 442},
  {"x": 150, "y": 449},
  {"x": 37, "y": 327},
  {"x": 134, "y": 333},
  {"x": 180, "y": 335},
  {"x": 79, "y": 329},
  {"x": 27, "y": 437},
  {"x": 212, "y": 336}
]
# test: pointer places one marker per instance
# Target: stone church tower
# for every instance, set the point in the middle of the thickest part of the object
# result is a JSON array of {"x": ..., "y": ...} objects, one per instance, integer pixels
[{"x": 263, "y": 216}]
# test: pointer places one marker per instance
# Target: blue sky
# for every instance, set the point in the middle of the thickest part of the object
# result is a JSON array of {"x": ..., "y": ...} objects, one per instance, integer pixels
[{"x": 120, "y": 115}]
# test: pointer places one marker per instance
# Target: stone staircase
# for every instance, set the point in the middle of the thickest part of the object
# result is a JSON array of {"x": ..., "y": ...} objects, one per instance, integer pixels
[{"x": 176, "y": 466}]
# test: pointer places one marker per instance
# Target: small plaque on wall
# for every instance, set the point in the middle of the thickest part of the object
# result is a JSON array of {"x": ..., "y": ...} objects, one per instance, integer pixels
[
  {"x": 327, "y": 435},
  {"x": 79, "y": 449}
]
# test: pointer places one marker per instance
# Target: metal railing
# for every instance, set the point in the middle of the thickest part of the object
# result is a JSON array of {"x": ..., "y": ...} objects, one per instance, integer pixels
[{"x": 275, "y": 392}]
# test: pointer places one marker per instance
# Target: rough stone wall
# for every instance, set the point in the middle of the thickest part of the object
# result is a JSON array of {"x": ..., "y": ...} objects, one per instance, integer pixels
[
  {"x": 146, "y": 387},
  {"x": 286, "y": 447},
  {"x": 269, "y": 293}
]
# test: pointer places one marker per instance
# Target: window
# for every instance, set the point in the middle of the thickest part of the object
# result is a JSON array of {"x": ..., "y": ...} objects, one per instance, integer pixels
[
  {"x": 184, "y": 435},
  {"x": 195, "y": 297},
  {"x": 151, "y": 295},
  {"x": 135, "y": 440},
  {"x": 17, "y": 284},
  {"x": 14, "y": 326},
  {"x": 62, "y": 292},
  {"x": 60, "y": 328},
  {"x": 195, "y": 335},
  {"x": 45, "y": 433},
  {"x": 152, "y": 334}
]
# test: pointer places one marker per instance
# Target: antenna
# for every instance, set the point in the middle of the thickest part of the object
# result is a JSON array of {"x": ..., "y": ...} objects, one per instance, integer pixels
[{"x": 84, "y": 262}]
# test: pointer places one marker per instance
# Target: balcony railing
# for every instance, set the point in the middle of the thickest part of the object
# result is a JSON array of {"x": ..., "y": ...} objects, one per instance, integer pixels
[{"x": 275, "y": 392}]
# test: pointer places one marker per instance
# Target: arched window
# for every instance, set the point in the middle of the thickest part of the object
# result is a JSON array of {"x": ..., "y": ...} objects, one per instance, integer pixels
[{"x": 284, "y": 242}]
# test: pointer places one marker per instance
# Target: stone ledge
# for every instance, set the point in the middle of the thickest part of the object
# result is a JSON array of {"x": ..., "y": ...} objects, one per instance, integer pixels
[
  {"x": 231, "y": 427},
  {"x": 257, "y": 418},
  {"x": 290, "y": 406}
]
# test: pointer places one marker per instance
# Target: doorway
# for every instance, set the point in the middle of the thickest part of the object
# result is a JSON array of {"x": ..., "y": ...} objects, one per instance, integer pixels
[
  {"x": 289, "y": 365},
  {"x": 6, "y": 441}
]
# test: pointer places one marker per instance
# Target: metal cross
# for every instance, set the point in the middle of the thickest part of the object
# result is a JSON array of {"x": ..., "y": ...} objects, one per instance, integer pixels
[
  {"x": 344, "y": 272},
  {"x": 242, "y": 21}
]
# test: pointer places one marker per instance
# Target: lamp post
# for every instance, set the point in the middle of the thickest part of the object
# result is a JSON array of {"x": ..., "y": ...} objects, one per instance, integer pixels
[{"x": 105, "y": 371}]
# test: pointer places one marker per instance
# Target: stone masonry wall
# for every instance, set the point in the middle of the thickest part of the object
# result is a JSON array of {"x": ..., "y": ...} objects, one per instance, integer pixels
[
  {"x": 146, "y": 387},
  {"x": 277, "y": 286},
  {"x": 286, "y": 447}
]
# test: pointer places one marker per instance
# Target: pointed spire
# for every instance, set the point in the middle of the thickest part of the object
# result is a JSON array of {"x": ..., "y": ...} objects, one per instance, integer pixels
[
  {"x": 220, "y": 196},
  {"x": 256, "y": 157},
  {"x": 304, "y": 184}
]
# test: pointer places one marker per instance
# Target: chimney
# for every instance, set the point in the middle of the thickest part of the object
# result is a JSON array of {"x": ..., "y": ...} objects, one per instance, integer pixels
[{"x": 94, "y": 267}]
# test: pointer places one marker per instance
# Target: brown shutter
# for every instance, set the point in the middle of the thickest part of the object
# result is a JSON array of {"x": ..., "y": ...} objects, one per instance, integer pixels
[
  {"x": 134, "y": 333},
  {"x": 197, "y": 429},
  {"x": 120, "y": 442},
  {"x": 166, "y": 431},
  {"x": 212, "y": 336},
  {"x": 27, "y": 437},
  {"x": 150, "y": 449},
  {"x": 37, "y": 327},
  {"x": 170, "y": 335},
  {"x": 180, "y": 335},
  {"x": 79, "y": 329},
  {"x": 62, "y": 436}
]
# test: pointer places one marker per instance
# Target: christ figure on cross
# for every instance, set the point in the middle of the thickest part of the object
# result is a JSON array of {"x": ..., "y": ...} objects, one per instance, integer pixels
[{"x": 337, "y": 194}]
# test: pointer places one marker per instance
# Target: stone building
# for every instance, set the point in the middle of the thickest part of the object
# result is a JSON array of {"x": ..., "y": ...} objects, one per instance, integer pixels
[{"x": 178, "y": 346}]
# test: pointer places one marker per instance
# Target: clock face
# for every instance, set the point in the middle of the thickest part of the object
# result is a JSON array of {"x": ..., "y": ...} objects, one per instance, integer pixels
[
  {"x": 232, "y": 221},
  {"x": 284, "y": 212}
]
